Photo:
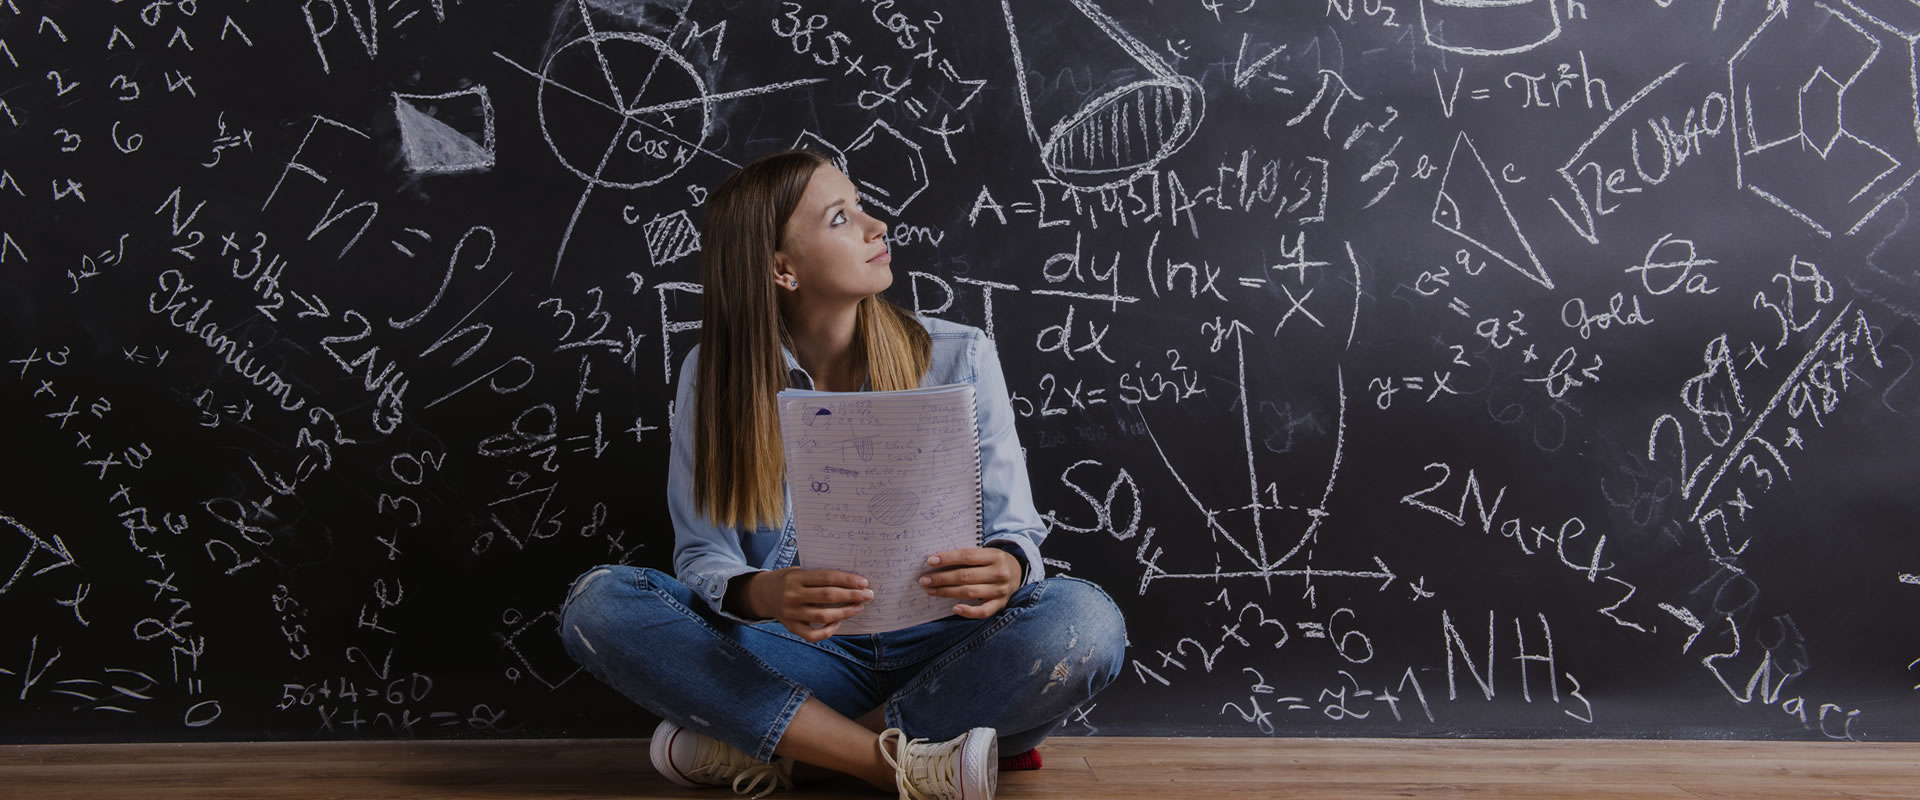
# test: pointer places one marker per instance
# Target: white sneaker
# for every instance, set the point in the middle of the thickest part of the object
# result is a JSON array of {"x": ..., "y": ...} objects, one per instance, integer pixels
[
  {"x": 695, "y": 761},
  {"x": 965, "y": 767}
]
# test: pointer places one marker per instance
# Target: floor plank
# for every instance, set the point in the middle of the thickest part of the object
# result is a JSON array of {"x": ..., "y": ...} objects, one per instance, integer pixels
[{"x": 1105, "y": 767}]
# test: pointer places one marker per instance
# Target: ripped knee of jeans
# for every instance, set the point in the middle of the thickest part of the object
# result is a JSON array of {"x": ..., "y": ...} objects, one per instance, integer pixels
[
  {"x": 581, "y": 582},
  {"x": 1062, "y": 671},
  {"x": 1096, "y": 641}
]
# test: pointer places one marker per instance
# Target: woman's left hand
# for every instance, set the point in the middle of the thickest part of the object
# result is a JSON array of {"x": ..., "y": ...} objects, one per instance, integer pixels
[{"x": 985, "y": 576}]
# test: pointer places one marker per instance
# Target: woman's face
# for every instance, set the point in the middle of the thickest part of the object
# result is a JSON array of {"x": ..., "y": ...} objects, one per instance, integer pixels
[{"x": 830, "y": 245}]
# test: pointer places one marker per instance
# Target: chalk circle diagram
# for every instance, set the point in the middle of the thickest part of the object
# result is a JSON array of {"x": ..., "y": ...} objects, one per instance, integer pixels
[
  {"x": 893, "y": 507},
  {"x": 607, "y": 102},
  {"x": 1488, "y": 27},
  {"x": 1111, "y": 138}
]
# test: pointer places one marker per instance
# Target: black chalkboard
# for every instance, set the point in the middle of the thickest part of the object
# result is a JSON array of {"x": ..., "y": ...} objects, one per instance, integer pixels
[{"x": 1402, "y": 367}]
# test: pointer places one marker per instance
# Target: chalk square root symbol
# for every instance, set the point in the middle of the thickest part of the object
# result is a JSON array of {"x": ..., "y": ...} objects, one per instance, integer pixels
[{"x": 431, "y": 135}]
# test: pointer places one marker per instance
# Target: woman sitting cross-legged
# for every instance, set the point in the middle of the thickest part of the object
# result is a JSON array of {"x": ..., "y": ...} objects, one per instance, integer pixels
[{"x": 737, "y": 651}]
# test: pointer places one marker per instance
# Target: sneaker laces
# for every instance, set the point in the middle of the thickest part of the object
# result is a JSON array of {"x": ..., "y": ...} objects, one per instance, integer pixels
[
  {"x": 716, "y": 760},
  {"x": 941, "y": 768},
  {"x": 776, "y": 775}
]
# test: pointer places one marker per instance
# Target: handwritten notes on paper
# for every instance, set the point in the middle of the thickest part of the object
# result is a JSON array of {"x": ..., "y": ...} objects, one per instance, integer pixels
[{"x": 880, "y": 481}]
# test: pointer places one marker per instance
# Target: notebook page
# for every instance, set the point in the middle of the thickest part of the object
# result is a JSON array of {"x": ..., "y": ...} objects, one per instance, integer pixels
[{"x": 880, "y": 481}]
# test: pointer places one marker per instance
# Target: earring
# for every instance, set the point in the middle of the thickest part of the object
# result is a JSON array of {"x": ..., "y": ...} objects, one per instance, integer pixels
[{"x": 793, "y": 283}]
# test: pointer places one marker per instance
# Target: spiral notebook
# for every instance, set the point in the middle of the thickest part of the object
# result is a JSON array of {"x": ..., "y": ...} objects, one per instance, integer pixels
[{"x": 880, "y": 481}]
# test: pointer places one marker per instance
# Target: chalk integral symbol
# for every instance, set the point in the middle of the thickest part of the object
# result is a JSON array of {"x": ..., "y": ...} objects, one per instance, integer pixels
[
  {"x": 1471, "y": 206},
  {"x": 435, "y": 142}
]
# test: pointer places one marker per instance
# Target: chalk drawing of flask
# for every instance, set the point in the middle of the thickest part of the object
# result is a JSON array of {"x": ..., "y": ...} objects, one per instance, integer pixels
[
  {"x": 1489, "y": 27},
  {"x": 1137, "y": 113}
]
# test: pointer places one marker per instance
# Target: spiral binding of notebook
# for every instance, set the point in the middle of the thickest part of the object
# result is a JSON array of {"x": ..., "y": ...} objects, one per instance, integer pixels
[{"x": 879, "y": 481}]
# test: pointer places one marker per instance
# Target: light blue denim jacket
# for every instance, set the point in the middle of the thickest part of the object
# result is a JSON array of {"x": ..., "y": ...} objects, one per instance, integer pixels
[{"x": 707, "y": 556}]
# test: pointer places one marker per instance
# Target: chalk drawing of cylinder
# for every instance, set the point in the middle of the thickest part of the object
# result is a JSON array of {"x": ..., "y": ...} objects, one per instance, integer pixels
[
  {"x": 1126, "y": 124},
  {"x": 1489, "y": 27}
]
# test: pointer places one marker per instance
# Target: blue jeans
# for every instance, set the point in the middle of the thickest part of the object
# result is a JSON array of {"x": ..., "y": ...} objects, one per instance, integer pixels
[{"x": 1021, "y": 672}]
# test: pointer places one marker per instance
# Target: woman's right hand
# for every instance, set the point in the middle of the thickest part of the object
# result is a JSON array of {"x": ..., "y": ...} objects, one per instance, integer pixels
[{"x": 810, "y": 603}]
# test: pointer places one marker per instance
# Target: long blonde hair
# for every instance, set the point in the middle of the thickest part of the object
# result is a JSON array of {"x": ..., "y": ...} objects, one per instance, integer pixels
[{"x": 738, "y": 460}]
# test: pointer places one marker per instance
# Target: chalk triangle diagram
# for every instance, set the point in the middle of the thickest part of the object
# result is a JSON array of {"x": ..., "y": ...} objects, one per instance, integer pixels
[
  {"x": 431, "y": 145},
  {"x": 1472, "y": 206}
]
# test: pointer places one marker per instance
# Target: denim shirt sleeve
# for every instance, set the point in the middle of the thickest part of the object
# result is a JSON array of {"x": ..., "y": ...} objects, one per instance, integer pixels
[
  {"x": 706, "y": 556},
  {"x": 1007, "y": 514}
]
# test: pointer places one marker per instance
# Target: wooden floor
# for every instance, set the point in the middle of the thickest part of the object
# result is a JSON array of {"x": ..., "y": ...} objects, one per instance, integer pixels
[{"x": 1163, "y": 769}]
